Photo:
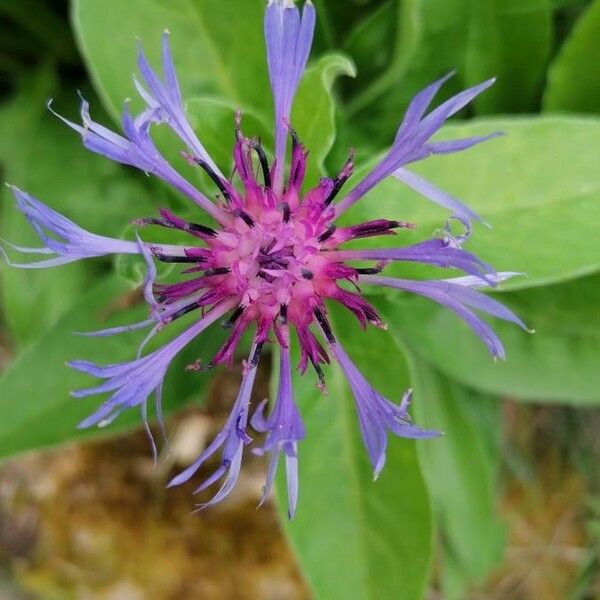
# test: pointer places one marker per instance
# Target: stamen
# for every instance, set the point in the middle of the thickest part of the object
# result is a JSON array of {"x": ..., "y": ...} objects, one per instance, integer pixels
[
  {"x": 284, "y": 207},
  {"x": 214, "y": 176},
  {"x": 217, "y": 271},
  {"x": 341, "y": 179},
  {"x": 320, "y": 373},
  {"x": 374, "y": 228},
  {"x": 184, "y": 226},
  {"x": 283, "y": 312},
  {"x": 264, "y": 163},
  {"x": 245, "y": 217},
  {"x": 235, "y": 315},
  {"x": 184, "y": 311},
  {"x": 370, "y": 271},
  {"x": 325, "y": 325},
  {"x": 307, "y": 274},
  {"x": 327, "y": 234},
  {"x": 256, "y": 356},
  {"x": 178, "y": 259}
]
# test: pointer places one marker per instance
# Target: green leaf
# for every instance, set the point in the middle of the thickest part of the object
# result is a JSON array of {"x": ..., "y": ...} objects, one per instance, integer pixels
[
  {"x": 370, "y": 43},
  {"x": 377, "y": 534},
  {"x": 460, "y": 470},
  {"x": 314, "y": 110},
  {"x": 34, "y": 390},
  {"x": 559, "y": 363},
  {"x": 42, "y": 156},
  {"x": 573, "y": 79},
  {"x": 217, "y": 46},
  {"x": 479, "y": 38},
  {"x": 535, "y": 186}
]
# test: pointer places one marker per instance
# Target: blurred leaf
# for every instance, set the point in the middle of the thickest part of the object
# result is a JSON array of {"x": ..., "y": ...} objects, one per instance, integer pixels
[
  {"x": 217, "y": 47},
  {"x": 460, "y": 470},
  {"x": 42, "y": 156},
  {"x": 573, "y": 79},
  {"x": 535, "y": 186},
  {"x": 42, "y": 24},
  {"x": 355, "y": 538},
  {"x": 559, "y": 363},
  {"x": 511, "y": 42},
  {"x": 34, "y": 391},
  {"x": 563, "y": 3},
  {"x": 338, "y": 19},
  {"x": 314, "y": 110},
  {"x": 479, "y": 38},
  {"x": 370, "y": 43}
]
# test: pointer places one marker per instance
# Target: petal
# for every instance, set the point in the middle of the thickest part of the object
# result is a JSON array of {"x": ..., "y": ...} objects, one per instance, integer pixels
[
  {"x": 411, "y": 142},
  {"x": 423, "y": 187}
]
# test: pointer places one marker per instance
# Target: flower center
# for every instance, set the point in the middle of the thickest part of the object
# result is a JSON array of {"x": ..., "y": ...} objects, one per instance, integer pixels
[{"x": 273, "y": 258}]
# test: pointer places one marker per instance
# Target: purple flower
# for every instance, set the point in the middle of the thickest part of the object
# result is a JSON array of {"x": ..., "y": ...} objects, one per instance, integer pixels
[{"x": 271, "y": 261}]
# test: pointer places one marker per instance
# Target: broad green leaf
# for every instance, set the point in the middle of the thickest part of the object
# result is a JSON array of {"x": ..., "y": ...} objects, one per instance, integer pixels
[
  {"x": 573, "y": 79},
  {"x": 42, "y": 156},
  {"x": 460, "y": 471},
  {"x": 535, "y": 186},
  {"x": 479, "y": 38},
  {"x": 355, "y": 538},
  {"x": 313, "y": 115},
  {"x": 34, "y": 390},
  {"x": 217, "y": 46},
  {"x": 558, "y": 363}
]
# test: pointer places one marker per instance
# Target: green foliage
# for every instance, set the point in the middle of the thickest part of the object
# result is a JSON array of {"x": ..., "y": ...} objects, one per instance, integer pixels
[
  {"x": 34, "y": 391},
  {"x": 573, "y": 79},
  {"x": 461, "y": 472},
  {"x": 217, "y": 46},
  {"x": 478, "y": 38},
  {"x": 378, "y": 534}
]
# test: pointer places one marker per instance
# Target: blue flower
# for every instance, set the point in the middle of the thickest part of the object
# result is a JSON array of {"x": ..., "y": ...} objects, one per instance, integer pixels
[{"x": 272, "y": 259}]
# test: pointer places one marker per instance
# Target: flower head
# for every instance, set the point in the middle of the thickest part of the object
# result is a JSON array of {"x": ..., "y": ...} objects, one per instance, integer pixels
[{"x": 272, "y": 261}]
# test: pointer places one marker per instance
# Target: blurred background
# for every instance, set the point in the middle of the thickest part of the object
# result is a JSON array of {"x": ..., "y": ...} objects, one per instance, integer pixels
[{"x": 506, "y": 506}]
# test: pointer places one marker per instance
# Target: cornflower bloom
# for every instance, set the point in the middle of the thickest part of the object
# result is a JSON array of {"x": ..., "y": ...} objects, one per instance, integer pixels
[{"x": 271, "y": 260}]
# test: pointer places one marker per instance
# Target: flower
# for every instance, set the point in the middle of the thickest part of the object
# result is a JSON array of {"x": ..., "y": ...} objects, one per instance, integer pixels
[{"x": 272, "y": 260}]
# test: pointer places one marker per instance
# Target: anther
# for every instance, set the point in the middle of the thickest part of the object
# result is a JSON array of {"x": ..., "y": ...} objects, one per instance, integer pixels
[
  {"x": 217, "y": 271},
  {"x": 178, "y": 259},
  {"x": 283, "y": 314},
  {"x": 327, "y": 234},
  {"x": 369, "y": 271},
  {"x": 256, "y": 356},
  {"x": 341, "y": 179},
  {"x": 245, "y": 217},
  {"x": 185, "y": 226},
  {"x": 307, "y": 274},
  {"x": 214, "y": 176},
  {"x": 183, "y": 311},
  {"x": 235, "y": 315},
  {"x": 284, "y": 207},
  {"x": 264, "y": 163},
  {"x": 325, "y": 325}
]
